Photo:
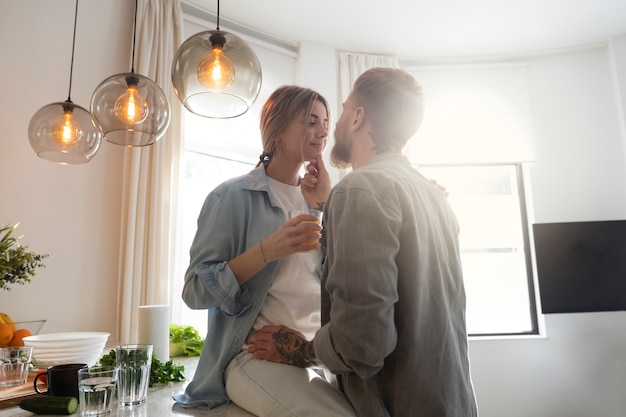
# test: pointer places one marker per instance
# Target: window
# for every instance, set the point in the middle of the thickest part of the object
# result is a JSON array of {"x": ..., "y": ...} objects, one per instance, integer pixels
[
  {"x": 202, "y": 173},
  {"x": 476, "y": 134},
  {"x": 489, "y": 203}
]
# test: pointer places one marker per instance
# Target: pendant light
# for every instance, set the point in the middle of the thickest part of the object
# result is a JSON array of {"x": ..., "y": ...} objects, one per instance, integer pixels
[
  {"x": 216, "y": 74},
  {"x": 132, "y": 109},
  {"x": 65, "y": 132}
]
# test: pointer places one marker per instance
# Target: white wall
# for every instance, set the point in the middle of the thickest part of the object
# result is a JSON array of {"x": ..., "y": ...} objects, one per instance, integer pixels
[
  {"x": 579, "y": 173},
  {"x": 73, "y": 212},
  {"x": 618, "y": 55},
  {"x": 70, "y": 212},
  {"x": 579, "y": 369}
]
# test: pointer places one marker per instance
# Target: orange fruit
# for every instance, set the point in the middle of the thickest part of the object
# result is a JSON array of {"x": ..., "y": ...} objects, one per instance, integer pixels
[
  {"x": 5, "y": 318},
  {"x": 18, "y": 335},
  {"x": 6, "y": 334}
]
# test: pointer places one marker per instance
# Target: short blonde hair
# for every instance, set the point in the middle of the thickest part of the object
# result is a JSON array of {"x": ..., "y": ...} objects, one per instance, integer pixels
[{"x": 394, "y": 102}]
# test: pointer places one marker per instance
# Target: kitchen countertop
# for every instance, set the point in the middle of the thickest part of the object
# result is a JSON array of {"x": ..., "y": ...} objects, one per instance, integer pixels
[{"x": 160, "y": 402}]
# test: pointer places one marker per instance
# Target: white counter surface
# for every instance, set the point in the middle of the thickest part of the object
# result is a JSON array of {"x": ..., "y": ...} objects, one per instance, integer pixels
[{"x": 159, "y": 403}]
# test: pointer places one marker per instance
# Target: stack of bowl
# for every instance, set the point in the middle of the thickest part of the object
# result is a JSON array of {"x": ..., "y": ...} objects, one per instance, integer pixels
[{"x": 61, "y": 348}]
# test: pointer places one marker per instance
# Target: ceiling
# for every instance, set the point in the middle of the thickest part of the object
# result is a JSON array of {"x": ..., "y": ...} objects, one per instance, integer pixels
[{"x": 430, "y": 29}]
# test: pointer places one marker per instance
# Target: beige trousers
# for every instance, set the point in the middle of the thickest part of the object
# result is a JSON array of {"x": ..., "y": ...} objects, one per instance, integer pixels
[{"x": 269, "y": 389}]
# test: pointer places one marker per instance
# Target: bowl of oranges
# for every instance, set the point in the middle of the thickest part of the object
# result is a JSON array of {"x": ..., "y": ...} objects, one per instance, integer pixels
[{"x": 12, "y": 332}]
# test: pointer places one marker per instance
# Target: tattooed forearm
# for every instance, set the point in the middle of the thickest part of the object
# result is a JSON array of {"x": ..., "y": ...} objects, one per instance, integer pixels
[{"x": 293, "y": 349}]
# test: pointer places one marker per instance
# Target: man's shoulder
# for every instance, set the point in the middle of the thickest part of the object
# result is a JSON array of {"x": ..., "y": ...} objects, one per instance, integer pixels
[
  {"x": 361, "y": 178},
  {"x": 376, "y": 173}
]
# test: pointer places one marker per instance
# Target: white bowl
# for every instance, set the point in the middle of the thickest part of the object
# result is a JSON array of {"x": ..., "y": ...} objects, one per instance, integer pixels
[
  {"x": 61, "y": 348},
  {"x": 45, "y": 363},
  {"x": 65, "y": 351},
  {"x": 66, "y": 340},
  {"x": 43, "y": 354}
]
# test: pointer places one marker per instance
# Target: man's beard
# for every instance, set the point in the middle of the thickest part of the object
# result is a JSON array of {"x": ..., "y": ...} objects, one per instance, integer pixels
[{"x": 340, "y": 155}]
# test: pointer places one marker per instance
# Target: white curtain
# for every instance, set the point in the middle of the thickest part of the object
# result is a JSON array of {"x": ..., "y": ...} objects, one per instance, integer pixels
[
  {"x": 150, "y": 177},
  {"x": 351, "y": 65}
]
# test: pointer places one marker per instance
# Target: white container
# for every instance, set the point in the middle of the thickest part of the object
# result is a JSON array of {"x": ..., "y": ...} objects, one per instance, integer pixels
[{"x": 62, "y": 348}]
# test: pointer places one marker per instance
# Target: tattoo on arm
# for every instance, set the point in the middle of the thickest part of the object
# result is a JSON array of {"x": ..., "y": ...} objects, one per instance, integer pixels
[{"x": 294, "y": 350}]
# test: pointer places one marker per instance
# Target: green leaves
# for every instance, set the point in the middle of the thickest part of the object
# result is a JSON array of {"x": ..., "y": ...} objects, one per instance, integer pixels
[
  {"x": 185, "y": 341},
  {"x": 108, "y": 359},
  {"x": 17, "y": 265},
  {"x": 160, "y": 373}
]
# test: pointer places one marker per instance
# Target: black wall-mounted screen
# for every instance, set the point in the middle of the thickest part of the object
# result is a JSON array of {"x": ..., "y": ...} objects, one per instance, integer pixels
[{"x": 581, "y": 266}]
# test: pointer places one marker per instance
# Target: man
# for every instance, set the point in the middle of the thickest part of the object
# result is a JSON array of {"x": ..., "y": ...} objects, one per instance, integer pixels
[{"x": 393, "y": 300}]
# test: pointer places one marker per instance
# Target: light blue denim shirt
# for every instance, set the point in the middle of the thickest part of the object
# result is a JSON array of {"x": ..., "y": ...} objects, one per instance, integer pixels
[{"x": 235, "y": 217}]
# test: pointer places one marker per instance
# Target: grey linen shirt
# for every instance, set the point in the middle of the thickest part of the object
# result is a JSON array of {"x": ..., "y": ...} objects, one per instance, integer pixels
[{"x": 393, "y": 299}]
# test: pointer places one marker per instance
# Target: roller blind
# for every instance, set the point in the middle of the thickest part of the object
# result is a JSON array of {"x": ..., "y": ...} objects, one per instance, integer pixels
[{"x": 474, "y": 114}]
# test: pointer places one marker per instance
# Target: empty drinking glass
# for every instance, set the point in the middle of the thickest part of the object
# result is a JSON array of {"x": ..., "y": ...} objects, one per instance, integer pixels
[{"x": 14, "y": 364}]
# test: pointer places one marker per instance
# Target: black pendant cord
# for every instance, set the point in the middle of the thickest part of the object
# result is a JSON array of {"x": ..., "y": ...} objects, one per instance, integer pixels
[
  {"x": 69, "y": 92},
  {"x": 218, "y": 14},
  {"x": 132, "y": 64}
]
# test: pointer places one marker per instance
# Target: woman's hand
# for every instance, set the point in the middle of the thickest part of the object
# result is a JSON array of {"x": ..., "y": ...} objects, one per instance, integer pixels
[
  {"x": 291, "y": 237},
  {"x": 316, "y": 184},
  {"x": 285, "y": 241}
]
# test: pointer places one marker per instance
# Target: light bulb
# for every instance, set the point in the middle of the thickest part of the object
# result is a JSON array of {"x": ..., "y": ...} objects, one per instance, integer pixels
[
  {"x": 66, "y": 130},
  {"x": 130, "y": 107},
  {"x": 215, "y": 71}
]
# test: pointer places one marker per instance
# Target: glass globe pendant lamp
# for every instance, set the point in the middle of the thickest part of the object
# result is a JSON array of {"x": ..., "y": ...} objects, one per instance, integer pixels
[
  {"x": 131, "y": 108},
  {"x": 65, "y": 132},
  {"x": 216, "y": 74}
]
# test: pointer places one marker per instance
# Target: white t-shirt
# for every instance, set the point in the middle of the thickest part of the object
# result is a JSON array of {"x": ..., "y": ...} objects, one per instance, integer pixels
[{"x": 294, "y": 297}]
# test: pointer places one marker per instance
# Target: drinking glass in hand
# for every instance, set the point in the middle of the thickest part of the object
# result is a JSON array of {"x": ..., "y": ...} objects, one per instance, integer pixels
[{"x": 316, "y": 213}]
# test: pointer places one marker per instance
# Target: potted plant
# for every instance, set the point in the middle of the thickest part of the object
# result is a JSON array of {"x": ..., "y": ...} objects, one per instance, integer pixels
[{"x": 17, "y": 265}]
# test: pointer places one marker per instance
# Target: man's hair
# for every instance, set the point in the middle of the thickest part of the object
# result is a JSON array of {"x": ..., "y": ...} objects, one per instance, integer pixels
[
  {"x": 394, "y": 103},
  {"x": 282, "y": 106}
]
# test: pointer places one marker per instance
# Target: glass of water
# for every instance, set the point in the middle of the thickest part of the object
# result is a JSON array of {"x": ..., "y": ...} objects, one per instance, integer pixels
[
  {"x": 96, "y": 389},
  {"x": 14, "y": 364},
  {"x": 134, "y": 363}
]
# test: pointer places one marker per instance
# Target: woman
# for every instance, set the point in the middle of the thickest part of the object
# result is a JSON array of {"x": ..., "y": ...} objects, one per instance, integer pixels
[{"x": 249, "y": 269}]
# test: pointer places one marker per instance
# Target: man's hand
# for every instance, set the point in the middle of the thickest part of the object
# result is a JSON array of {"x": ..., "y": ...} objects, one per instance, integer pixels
[
  {"x": 282, "y": 344},
  {"x": 441, "y": 187}
]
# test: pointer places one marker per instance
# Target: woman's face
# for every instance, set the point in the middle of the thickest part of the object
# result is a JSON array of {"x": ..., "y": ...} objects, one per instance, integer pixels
[{"x": 304, "y": 139}]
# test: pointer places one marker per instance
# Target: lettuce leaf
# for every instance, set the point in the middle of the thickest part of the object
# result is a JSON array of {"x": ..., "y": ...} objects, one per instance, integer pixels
[{"x": 185, "y": 341}]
